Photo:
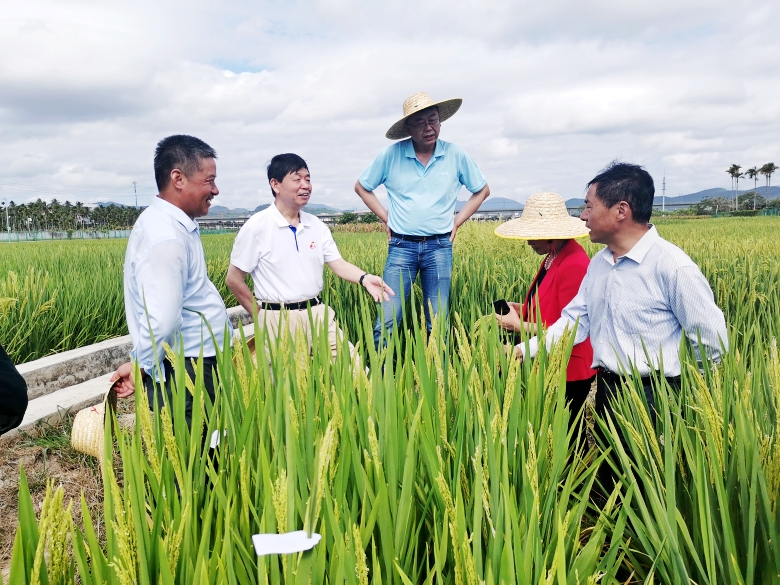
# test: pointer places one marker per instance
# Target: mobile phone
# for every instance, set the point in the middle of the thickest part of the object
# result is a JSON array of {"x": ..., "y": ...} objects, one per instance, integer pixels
[{"x": 501, "y": 307}]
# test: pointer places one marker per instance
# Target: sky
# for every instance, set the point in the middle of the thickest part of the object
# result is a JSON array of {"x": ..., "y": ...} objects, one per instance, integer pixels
[{"x": 552, "y": 91}]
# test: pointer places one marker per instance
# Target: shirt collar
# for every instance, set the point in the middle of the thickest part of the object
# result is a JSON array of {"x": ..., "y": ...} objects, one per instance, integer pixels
[
  {"x": 642, "y": 247},
  {"x": 409, "y": 149},
  {"x": 304, "y": 218},
  {"x": 176, "y": 213}
]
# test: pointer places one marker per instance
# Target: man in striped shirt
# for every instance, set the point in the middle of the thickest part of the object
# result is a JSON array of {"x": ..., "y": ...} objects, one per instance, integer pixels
[{"x": 641, "y": 294}]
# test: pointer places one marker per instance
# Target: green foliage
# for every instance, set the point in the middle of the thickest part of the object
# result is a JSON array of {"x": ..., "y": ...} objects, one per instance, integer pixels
[
  {"x": 349, "y": 217},
  {"x": 446, "y": 462},
  {"x": 369, "y": 217},
  {"x": 56, "y": 216}
]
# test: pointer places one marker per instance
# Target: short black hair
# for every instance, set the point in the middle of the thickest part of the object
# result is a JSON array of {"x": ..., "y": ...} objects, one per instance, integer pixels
[
  {"x": 626, "y": 182},
  {"x": 179, "y": 152},
  {"x": 284, "y": 164}
]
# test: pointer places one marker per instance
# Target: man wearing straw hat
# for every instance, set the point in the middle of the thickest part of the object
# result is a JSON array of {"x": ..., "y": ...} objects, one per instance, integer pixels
[
  {"x": 168, "y": 295},
  {"x": 423, "y": 176},
  {"x": 641, "y": 294},
  {"x": 550, "y": 232}
]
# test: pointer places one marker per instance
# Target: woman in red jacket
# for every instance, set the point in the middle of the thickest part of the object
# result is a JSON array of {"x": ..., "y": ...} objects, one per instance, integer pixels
[{"x": 550, "y": 232}]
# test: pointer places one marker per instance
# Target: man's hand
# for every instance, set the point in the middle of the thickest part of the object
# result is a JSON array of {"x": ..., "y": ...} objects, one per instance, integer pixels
[
  {"x": 454, "y": 231},
  {"x": 387, "y": 229},
  {"x": 122, "y": 380},
  {"x": 514, "y": 351},
  {"x": 377, "y": 288},
  {"x": 511, "y": 321}
]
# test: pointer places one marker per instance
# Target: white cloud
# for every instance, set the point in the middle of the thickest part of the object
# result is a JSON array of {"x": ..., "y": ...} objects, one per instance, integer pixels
[{"x": 552, "y": 91}]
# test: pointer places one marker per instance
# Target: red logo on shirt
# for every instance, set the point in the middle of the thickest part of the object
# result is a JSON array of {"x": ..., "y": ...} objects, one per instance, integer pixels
[{"x": 312, "y": 246}]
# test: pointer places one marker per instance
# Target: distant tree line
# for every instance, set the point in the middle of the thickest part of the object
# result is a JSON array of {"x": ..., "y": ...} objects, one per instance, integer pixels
[
  {"x": 351, "y": 217},
  {"x": 752, "y": 173},
  {"x": 56, "y": 216}
]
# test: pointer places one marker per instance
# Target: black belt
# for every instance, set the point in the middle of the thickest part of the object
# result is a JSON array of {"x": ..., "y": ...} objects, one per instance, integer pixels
[
  {"x": 613, "y": 378},
  {"x": 418, "y": 238},
  {"x": 290, "y": 306}
]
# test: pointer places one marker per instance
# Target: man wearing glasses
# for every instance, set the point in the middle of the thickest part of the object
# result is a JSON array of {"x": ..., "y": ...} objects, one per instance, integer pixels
[{"x": 423, "y": 176}]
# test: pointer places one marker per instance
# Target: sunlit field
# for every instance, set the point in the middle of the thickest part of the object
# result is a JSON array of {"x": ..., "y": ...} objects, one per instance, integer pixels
[{"x": 436, "y": 460}]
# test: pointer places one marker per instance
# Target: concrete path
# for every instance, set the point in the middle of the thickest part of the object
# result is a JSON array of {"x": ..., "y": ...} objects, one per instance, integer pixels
[{"x": 52, "y": 405}]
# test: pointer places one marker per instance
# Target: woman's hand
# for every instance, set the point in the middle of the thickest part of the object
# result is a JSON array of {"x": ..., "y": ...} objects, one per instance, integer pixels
[{"x": 511, "y": 321}]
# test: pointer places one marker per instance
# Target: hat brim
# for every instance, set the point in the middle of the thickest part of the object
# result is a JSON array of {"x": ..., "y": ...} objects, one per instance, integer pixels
[
  {"x": 447, "y": 109},
  {"x": 516, "y": 229}
]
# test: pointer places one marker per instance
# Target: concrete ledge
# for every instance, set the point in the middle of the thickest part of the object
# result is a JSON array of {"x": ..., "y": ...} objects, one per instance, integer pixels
[
  {"x": 73, "y": 367},
  {"x": 50, "y": 407},
  {"x": 69, "y": 368}
]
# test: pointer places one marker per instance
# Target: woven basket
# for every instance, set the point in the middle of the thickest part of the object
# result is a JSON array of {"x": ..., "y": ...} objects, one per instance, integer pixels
[{"x": 88, "y": 431}]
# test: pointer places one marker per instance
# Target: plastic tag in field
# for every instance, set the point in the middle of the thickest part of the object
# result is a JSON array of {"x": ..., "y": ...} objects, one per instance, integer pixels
[
  {"x": 283, "y": 544},
  {"x": 215, "y": 438}
]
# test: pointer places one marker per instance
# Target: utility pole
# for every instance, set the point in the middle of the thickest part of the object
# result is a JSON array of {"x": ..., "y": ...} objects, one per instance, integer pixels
[
  {"x": 136, "y": 195},
  {"x": 663, "y": 204}
]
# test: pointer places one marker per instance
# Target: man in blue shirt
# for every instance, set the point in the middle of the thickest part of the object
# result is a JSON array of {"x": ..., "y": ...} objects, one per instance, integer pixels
[
  {"x": 168, "y": 295},
  {"x": 423, "y": 176}
]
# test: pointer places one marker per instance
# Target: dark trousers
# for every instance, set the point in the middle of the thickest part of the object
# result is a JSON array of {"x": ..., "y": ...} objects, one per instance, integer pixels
[
  {"x": 13, "y": 394},
  {"x": 209, "y": 374},
  {"x": 609, "y": 385},
  {"x": 576, "y": 394}
]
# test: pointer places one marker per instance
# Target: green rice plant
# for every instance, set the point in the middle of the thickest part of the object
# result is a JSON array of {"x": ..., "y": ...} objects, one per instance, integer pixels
[
  {"x": 439, "y": 465},
  {"x": 702, "y": 484}
]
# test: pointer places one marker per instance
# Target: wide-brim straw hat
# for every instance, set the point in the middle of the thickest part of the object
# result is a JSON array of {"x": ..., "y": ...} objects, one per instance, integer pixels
[
  {"x": 417, "y": 103},
  {"x": 88, "y": 432},
  {"x": 544, "y": 218}
]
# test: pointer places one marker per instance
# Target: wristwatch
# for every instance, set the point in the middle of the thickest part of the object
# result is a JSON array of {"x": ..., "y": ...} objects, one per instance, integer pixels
[{"x": 360, "y": 281}]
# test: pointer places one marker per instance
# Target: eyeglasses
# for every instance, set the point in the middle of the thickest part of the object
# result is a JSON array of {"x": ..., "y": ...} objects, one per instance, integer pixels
[{"x": 423, "y": 124}]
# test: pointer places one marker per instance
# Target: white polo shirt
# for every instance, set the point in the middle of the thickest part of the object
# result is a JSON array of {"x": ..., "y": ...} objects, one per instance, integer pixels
[{"x": 286, "y": 264}]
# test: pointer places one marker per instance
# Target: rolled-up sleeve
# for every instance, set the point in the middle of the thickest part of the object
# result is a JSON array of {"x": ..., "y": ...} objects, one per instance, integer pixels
[
  {"x": 160, "y": 275},
  {"x": 693, "y": 303}
]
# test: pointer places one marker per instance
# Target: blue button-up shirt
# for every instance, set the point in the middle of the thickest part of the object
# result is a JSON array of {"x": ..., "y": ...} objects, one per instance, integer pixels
[
  {"x": 168, "y": 289},
  {"x": 637, "y": 308},
  {"x": 422, "y": 198}
]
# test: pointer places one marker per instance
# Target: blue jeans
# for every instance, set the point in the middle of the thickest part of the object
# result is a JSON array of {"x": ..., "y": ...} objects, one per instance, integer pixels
[{"x": 432, "y": 259}]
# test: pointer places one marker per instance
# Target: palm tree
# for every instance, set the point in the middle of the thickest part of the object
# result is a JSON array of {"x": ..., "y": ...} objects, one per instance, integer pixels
[
  {"x": 767, "y": 170},
  {"x": 753, "y": 174},
  {"x": 733, "y": 170}
]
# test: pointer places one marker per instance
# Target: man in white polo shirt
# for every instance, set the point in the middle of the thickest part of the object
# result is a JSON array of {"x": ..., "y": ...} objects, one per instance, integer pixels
[{"x": 285, "y": 249}]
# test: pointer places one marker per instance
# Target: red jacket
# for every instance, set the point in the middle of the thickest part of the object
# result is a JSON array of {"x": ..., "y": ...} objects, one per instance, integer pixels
[{"x": 559, "y": 286}]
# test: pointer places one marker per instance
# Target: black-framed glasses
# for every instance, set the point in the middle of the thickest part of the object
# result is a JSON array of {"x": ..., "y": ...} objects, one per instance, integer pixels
[{"x": 423, "y": 124}]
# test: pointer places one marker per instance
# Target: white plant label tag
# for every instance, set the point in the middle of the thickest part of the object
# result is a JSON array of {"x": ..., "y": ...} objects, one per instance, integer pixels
[
  {"x": 284, "y": 544},
  {"x": 215, "y": 438}
]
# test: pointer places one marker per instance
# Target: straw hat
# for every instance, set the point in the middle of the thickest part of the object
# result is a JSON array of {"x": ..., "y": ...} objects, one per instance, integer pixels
[
  {"x": 88, "y": 430},
  {"x": 416, "y": 103},
  {"x": 544, "y": 218}
]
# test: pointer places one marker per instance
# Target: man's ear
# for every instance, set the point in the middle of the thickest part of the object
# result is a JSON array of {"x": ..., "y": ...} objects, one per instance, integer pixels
[
  {"x": 624, "y": 211},
  {"x": 274, "y": 186},
  {"x": 178, "y": 178}
]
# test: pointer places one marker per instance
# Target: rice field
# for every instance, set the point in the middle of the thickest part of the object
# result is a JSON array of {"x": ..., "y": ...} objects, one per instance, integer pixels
[{"x": 444, "y": 462}]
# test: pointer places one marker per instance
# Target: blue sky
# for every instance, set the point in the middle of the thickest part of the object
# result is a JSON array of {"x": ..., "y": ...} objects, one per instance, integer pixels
[{"x": 552, "y": 91}]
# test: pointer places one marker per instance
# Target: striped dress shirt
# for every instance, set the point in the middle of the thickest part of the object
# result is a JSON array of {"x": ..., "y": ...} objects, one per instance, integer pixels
[
  {"x": 168, "y": 294},
  {"x": 636, "y": 308}
]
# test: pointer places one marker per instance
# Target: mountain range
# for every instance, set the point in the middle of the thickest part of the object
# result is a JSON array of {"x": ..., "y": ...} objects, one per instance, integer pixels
[
  {"x": 692, "y": 198},
  {"x": 496, "y": 203}
]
